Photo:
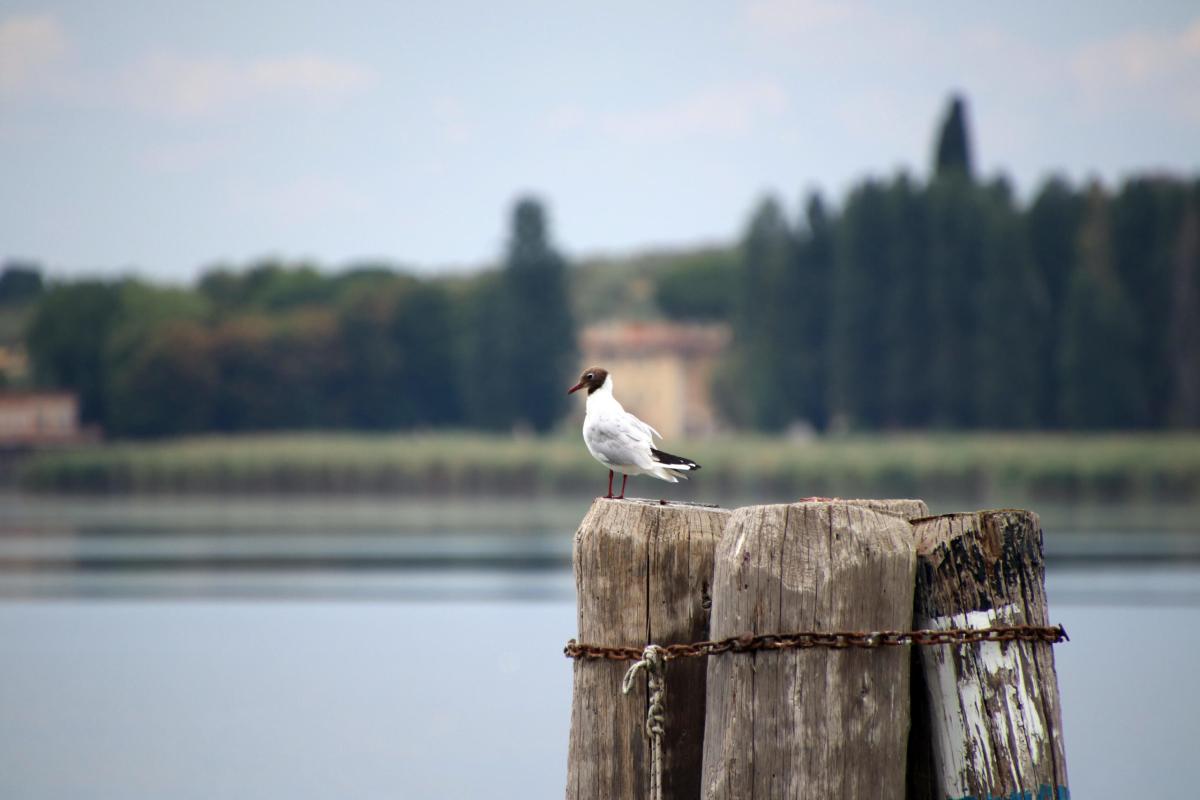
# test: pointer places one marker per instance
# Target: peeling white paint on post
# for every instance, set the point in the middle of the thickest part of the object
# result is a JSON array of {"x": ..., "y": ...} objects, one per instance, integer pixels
[
  {"x": 966, "y": 710},
  {"x": 992, "y": 708}
]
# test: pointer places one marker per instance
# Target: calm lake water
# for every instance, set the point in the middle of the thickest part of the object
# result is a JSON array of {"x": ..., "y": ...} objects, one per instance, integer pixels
[{"x": 367, "y": 649}]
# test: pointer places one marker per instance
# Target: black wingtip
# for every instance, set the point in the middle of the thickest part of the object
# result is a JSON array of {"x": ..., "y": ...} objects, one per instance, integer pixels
[{"x": 671, "y": 460}]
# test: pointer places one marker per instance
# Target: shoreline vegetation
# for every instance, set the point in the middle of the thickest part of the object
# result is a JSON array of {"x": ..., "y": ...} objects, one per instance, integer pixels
[{"x": 1102, "y": 467}]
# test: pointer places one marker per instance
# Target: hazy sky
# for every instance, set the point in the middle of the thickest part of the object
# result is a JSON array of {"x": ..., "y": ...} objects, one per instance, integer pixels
[{"x": 165, "y": 136}]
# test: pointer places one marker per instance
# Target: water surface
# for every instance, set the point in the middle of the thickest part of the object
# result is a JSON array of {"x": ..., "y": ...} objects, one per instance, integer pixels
[{"x": 369, "y": 649}]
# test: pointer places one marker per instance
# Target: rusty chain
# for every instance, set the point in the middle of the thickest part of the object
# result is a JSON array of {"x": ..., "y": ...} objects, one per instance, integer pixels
[{"x": 1051, "y": 634}]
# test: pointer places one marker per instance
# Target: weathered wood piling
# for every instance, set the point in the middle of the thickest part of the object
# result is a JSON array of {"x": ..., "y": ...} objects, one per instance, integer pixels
[
  {"x": 819, "y": 722},
  {"x": 988, "y": 723},
  {"x": 794, "y": 643},
  {"x": 643, "y": 573}
]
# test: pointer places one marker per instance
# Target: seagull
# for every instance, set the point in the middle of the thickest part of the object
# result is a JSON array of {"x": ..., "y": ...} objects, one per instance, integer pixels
[{"x": 621, "y": 441}]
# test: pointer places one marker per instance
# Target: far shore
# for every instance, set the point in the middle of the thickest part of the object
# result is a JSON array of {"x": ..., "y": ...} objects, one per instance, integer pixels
[{"x": 1103, "y": 467}]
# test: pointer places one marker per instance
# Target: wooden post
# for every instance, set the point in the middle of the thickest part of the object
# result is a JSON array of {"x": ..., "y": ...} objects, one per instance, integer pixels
[
  {"x": 813, "y": 723},
  {"x": 990, "y": 711},
  {"x": 907, "y": 508},
  {"x": 643, "y": 573}
]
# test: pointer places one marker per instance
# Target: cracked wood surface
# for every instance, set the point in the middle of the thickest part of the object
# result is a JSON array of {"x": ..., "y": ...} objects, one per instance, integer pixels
[
  {"x": 642, "y": 575},
  {"x": 816, "y": 723},
  {"x": 987, "y": 719}
]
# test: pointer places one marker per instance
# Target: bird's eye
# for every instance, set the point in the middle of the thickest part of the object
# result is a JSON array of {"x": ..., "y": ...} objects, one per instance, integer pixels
[{"x": 590, "y": 376}]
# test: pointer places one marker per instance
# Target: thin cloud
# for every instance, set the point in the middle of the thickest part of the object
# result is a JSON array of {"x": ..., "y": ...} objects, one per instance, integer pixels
[
  {"x": 303, "y": 200},
  {"x": 453, "y": 120},
  {"x": 189, "y": 155},
  {"x": 31, "y": 46},
  {"x": 722, "y": 111},
  {"x": 179, "y": 86},
  {"x": 1141, "y": 67},
  {"x": 791, "y": 17}
]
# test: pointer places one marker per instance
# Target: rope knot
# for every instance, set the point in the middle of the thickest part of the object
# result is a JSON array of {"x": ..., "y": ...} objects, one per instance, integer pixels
[{"x": 654, "y": 661}]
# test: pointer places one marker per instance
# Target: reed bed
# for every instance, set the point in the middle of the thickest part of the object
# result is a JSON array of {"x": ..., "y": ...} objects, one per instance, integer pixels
[{"x": 1117, "y": 466}]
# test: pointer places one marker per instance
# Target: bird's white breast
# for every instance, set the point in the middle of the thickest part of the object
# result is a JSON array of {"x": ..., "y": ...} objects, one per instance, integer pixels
[{"x": 613, "y": 436}]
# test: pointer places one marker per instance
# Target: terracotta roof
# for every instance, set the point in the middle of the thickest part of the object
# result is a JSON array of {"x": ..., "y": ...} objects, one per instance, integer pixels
[
  {"x": 615, "y": 339},
  {"x": 26, "y": 396}
]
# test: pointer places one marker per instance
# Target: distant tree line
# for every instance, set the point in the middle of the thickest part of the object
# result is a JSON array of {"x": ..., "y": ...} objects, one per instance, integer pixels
[
  {"x": 278, "y": 347},
  {"x": 943, "y": 304},
  {"x": 947, "y": 305}
]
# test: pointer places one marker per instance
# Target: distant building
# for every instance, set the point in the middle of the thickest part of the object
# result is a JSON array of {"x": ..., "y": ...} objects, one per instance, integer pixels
[
  {"x": 33, "y": 418},
  {"x": 662, "y": 371},
  {"x": 14, "y": 364}
]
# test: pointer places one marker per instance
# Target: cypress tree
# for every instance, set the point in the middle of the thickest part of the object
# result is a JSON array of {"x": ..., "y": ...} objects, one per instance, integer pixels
[
  {"x": 760, "y": 386},
  {"x": 1101, "y": 378},
  {"x": 814, "y": 275},
  {"x": 1052, "y": 223},
  {"x": 485, "y": 356},
  {"x": 1010, "y": 302},
  {"x": 1184, "y": 348},
  {"x": 906, "y": 387},
  {"x": 955, "y": 264},
  {"x": 20, "y": 283},
  {"x": 1146, "y": 215},
  {"x": 952, "y": 154},
  {"x": 859, "y": 300},
  {"x": 540, "y": 348}
]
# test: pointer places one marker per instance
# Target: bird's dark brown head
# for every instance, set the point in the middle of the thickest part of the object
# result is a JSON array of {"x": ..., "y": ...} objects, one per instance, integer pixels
[{"x": 592, "y": 379}]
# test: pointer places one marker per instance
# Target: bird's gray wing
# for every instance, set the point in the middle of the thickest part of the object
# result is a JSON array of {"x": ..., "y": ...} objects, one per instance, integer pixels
[
  {"x": 650, "y": 432},
  {"x": 623, "y": 439}
]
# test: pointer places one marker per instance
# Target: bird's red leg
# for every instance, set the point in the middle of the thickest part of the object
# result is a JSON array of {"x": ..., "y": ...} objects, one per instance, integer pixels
[
  {"x": 623, "y": 479},
  {"x": 609, "y": 495}
]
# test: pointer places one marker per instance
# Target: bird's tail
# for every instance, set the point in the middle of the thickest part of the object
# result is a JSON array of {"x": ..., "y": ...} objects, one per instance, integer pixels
[{"x": 673, "y": 465}]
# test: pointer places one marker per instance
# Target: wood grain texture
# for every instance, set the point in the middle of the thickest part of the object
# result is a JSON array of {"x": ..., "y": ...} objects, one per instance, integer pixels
[
  {"x": 990, "y": 711},
  {"x": 816, "y": 723},
  {"x": 908, "y": 508},
  {"x": 643, "y": 573}
]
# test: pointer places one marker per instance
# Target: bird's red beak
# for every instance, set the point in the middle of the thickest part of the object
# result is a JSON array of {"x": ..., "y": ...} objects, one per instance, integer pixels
[{"x": 576, "y": 387}]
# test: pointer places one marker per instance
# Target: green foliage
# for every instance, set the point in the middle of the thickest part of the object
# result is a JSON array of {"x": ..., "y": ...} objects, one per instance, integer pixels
[
  {"x": 811, "y": 287},
  {"x": 157, "y": 374},
  {"x": 272, "y": 349},
  {"x": 1184, "y": 348},
  {"x": 398, "y": 340},
  {"x": 759, "y": 386},
  {"x": 1146, "y": 215},
  {"x": 1052, "y": 223},
  {"x": 698, "y": 286},
  {"x": 20, "y": 283},
  {"x": 940, "y": 304},
  {"x": 167, "y": 384},
  {"x": 957, "y": 213},
  {"x": 952, "y": 156},
  {"x": 907, "y": 392},
  {"x": 486, "y": 390},
  {"x": 859, "y": 301},
  {"x": 599, "y": 285},
  {"x": 1099, "y": 358},
  {"x": 277, "y": 286},
  {"x": 1010, "y": 307},
  {"x": 543, "y": 349},
  {"x": 522, "y": 374},
  {"x": 66, "y": 341}
]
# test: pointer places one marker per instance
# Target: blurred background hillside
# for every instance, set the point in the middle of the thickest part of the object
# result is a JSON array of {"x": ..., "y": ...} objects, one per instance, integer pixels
[
  {"x": 909, "y": 305},
  {"x": 940, "y": 304},
  {"x": 945, "y": 303}
]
